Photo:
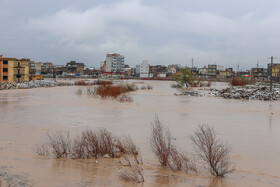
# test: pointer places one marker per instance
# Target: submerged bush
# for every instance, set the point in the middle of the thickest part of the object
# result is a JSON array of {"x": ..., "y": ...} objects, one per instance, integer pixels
[{"x": 88, "y": 145}]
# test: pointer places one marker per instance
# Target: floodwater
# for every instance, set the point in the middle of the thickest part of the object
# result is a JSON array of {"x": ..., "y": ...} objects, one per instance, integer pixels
[{"x": 26, "y": 116}]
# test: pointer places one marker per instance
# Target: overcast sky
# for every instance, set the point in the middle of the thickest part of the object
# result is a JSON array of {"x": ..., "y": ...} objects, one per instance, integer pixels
[{"x": 225, "y": 32}]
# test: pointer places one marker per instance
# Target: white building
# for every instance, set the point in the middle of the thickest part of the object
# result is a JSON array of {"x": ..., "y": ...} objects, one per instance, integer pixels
[
  {"x": 144, "y": 69},
  {"x": 115, "y": 63}
]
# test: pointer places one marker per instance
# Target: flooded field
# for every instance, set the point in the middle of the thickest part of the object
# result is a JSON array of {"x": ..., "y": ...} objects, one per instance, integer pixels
[{"x": 26, "y": 116}]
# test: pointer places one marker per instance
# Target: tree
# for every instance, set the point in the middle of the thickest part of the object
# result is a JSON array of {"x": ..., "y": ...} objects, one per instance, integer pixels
[
  {"x": 213, "y": 152},
  {"x": 185, "y": 77}
]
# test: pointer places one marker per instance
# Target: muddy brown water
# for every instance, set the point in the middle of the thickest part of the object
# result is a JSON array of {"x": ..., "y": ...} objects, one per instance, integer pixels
[{"x": 26, "y": 116}]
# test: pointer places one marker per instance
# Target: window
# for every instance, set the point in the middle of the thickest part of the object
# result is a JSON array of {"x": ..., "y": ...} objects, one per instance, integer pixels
[
  {"x": 5, "y": 78},
  {"x": 5, "y": 61},
  {"x": 5, "y": 69}
]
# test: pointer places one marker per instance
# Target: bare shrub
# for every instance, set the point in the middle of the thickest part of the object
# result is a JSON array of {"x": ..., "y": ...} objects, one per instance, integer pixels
[
  {"x": 179, "y": 161},
  {"x": 125, "y": 98},
  {"x": 91, "y": 143},
  {"x": 143, "y": 87},
  {"x": 160, "y": 142},
  {"x": 132, "y": 149},
  {"x": 212, "y": 151},
  {"x": 80, "y": 83},
  {"x": 78, "y": 148},
  {"x": 42, "y": 150},
  {"x": 106, "y": 142},
  {"x": 149, "y": 87},
  {"x": 132, "y": 174},
  {"x": 60, "y": 144}
]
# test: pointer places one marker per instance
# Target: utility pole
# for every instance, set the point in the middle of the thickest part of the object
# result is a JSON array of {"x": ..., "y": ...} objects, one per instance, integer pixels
[
  {"x": 192, "y": 62},
  {"x": 271, "y": 64}
]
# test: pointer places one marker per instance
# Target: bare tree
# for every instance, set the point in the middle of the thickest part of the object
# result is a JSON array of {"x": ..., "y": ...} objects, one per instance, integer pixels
[
  {"x": 160, "y": 142},
  {"x": 60, "y": 144},
  {"x": 42, "y": 150},
  {"x": 212, "y": 151},
  {"x": 131, "y": 174}
]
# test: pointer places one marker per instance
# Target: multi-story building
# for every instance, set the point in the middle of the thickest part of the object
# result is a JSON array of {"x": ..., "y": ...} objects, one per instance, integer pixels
[
  {"x": 213, "y": 70},
  {"x": 38, "y": 67},
  {"x": 225, "y": 74},
  {"x": 75, "y": 68},
  {"x": 203, "y": 72},
  {"x": 114, "y": 63},
  {"x": 14, "y": 70},
  {"x": 144, "y": 69},
  {"x": 47, "y": 68},
  {"x": 259, "y": 74},
  {"x": 32, "y": 69},
  {"x": 275, "y": 71}
]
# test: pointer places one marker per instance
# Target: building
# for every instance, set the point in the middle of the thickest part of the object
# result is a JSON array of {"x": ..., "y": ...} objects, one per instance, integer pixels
[
  {"x": 203, "y": 72},
  {"x": 32, "y": 69},
  {"x": 144, "y": 69},
  {"x": 275, "y": 71},
  {"x": 259, "y": 74},
  {"x": 158, "y": 71},
  {"x": 213, "y": 70},
  {"x": 14, "y": 70},
  {"x": 225, "y": 74},
  {"x": 114, "y": 63},
  {"x": 38, "y": 67},
  {"x": 74, "y": 67},
  {"x": 47, "y": 68}
]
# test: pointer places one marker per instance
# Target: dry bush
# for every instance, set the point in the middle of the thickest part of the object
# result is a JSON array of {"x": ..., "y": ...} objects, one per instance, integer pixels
[
  {"x": 100, "y": 82},
  {"x": 106, "y": 143},
  {"x": 80, "y": 83},
  {"x": 125, "y": 98},
  {"x": 131, "y": 149},
  {"x": 179, "y": 161},
  {"x": 160, "y": 142},
  {"x": 240, "y": 82},
  {"x": 133, "y": 174},
  {"x": 213, "y": 152},
  {"x": 149, "y": 87},
  {"x": 91, "y": 143},
  {"x": 42, "y": 150},
  {"x": 60, "y": 144},
  {"x": 143, "y": 87},
  {"x": 109, "y": 90},
  {"x": 78, "y": 148}
]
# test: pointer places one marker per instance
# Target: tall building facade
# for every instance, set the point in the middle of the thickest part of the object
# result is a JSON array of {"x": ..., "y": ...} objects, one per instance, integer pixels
[
  {"x": 115, "y": 63},
  {"x": 14, "y": 70}
]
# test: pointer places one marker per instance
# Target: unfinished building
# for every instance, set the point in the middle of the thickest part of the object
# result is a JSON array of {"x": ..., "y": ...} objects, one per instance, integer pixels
[{"x": 14, "y": 70}]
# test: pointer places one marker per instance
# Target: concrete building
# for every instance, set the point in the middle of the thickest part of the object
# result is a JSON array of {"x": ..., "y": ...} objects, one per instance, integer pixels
[
  {"x": 47, "y": 68},
  {"x": 225, "y": 74},
  {"x": 14, "y": 70},
  {"x": 203, "y": 72},
  {"x": 38, "y": 67},
  {"x": 114, "y": 63},
  {"x": 213, "y": 70},
  {"x": 275, "y": 71},
  {"x": 144, "y": 69},
  {"x": 74, "y": 67},
  {"x": 259, "y": 74}
]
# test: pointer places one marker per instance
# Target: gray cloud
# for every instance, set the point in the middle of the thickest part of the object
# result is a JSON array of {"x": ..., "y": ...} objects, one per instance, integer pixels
[{"x": 158, "y": 31}]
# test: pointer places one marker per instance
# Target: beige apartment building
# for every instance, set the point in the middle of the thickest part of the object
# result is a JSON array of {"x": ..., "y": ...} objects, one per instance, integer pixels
[{"x": 14, "y": 70}]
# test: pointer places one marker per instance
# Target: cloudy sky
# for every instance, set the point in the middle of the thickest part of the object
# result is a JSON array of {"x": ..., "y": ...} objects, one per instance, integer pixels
[{"x": 225, "y": 32}]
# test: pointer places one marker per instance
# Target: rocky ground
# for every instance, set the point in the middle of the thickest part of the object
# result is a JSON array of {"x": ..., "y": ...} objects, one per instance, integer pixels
[
  {"x": 258, "y": 92},
  {"x": 34, "y": 84}
]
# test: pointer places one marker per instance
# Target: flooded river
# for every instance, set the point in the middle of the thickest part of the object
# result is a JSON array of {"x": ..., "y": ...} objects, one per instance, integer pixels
[{"x": 26, "y": 116}]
